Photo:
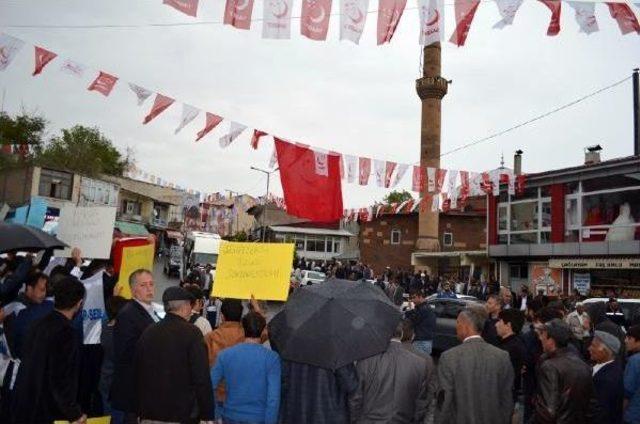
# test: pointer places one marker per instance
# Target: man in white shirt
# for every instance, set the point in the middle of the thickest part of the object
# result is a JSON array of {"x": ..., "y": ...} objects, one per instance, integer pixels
[{"x": 578, "y": 321}]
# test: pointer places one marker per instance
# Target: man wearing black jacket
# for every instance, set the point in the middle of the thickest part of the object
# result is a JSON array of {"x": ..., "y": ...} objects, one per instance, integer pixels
[
  {"x": 172, "y": 368},
  {"x": 47, "y": 383},
  {"x": 423, "y": 319},
  {"x": 509, "y": 325},
  {"x": 131, "y": 322}
]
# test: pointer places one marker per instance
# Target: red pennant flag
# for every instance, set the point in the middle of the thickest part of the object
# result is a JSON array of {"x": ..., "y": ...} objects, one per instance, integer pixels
[
  {"x": 237, "y": 13},
  {"x": 440, "y": 174},
  {"x": 417, "y": 180},
  {"x": 389, "y": 14},
  {"x": 465, "y": 11},
  {"x": 43, "y": 57},
  {"x": 623, "y": 14},
  {"x": 103, "y": 83},
  {"x": 364, "y": 170},
  {"x": 159, "y": 105},
  {"x": 388, "y": 172},
  {"x": 188, "y": 7},
  {"x": 212, "y": 122},
  {"x": 306, "y": 193},
  {"x": 554, "y": 24},
  {"x": 314, "y": 22},
  {"x": 256, "y": 138},
  {"x": 464, "y": 188}
]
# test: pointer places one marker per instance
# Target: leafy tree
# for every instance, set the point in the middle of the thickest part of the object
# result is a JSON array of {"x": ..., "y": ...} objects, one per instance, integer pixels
[
  {"x": 24, "y": 129},
  {"x": 397, "y": 197},
  {"x": 84, "y": 150}
]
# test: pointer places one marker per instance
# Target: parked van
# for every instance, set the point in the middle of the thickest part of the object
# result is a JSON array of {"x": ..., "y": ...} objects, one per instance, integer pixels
[{"x": 200, "y": 248}]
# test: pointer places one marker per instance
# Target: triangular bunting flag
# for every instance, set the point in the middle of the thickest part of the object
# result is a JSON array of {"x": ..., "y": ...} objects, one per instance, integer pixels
[
  {"x": 465, "y": 11},
  {"x": 234, "y": 131},
  {"x": 189, "y": 113},
  {"x": 353, "y": 16},
  {"x": 43, "y": 57},
  {"x": 188, "y": 7},
  {"x": 555, "y": 6},
  {"x": 625, "y": 17},
  {"x": 389, "y": 14},
  {"x": 585, "y": 16},
  {"x": 314, "y": 21},
  {"x": 103, "y": 83},
  {"x": 9, "y": 48},
  {"x": 237, "y": 13},
  {"x": 255, "y": 139},
  {"x": 160, "y": 104},
  {"x": 73, "y": 68},
  {"x": 508, "y": 10},
  {"x": 141, "y": 93},
  {"x": 276, "y": 22}
]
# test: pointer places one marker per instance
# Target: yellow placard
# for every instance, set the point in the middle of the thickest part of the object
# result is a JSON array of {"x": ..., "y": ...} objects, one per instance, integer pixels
[
  {"x": 259, "y": 269},
  {"x": 134, "y": 257},
  {"x": 97, "y": 420}
]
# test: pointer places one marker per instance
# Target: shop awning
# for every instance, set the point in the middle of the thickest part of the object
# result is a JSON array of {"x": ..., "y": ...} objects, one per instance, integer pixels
[
  {"x": 451, "y": 254},
  {"x": 309, "y": 231},
  {"x": 131, "y": 228},
  {"x": 596, "y": 263}
]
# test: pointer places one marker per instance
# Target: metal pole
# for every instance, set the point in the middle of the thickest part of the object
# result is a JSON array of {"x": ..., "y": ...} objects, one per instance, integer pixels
[
  {"x": 636, "y": 111},
  {"x": 266, "y": 208}
]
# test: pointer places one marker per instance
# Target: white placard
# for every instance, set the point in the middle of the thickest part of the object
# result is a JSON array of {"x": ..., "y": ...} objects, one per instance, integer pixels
[{"x": 89, "y": 228}]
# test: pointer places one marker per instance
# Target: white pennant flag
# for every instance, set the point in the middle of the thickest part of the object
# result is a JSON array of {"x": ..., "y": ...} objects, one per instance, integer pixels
[
  {"x": 277, "y": 19},
  {"x": 400, "y": 171},
  {"x": 235, "y": 130},
  {"x": 189, "y": 113},
  {"x": 585, "y": 16},
  {"x": 141, "y": 93},
  {"x": 274, "y": 158},
  {"x": 322, "y": 162},
  {"x": 507, "y": 9},
  {"x": 9, "y": 48},
  {"x": 73, "y": 68},
  {"x": 353, "y": 16},
  {"x": 351, "y": 165},
  {"x": 431, "y": 180},
  {"x": 379, "y": 168},
  {"x": 452, "y": 177},
  {"x": 431, "y": 21},
  {"x": 435, "y": 203}
]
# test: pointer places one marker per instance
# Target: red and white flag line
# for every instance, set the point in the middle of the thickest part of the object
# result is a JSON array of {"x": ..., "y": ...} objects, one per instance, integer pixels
[{"x": 315, "y": 16}]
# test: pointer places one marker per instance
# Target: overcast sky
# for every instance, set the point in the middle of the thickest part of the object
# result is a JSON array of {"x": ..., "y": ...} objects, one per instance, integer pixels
[{"x": 357, "y": 100}]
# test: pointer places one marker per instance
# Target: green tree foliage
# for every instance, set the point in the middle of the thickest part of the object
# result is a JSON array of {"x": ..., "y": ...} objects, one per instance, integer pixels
[
  {"x": 83, "y": 150},
  {"x": 397, "y": 197},
  {"x": 24, "y": 129}
]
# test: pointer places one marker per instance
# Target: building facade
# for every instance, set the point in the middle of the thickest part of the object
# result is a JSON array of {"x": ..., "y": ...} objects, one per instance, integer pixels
[{"x": 571, "y": 228}]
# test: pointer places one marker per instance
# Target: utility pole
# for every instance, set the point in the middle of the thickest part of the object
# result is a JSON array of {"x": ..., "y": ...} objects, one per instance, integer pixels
[
  {"x": 264, "y": 213},
  {"x": 636, "y": 111}
]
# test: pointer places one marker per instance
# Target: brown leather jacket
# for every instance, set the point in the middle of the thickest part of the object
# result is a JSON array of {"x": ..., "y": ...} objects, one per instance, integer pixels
[
  {"x": 565, "y": 390},
  {"x": 228, "y": 334}
]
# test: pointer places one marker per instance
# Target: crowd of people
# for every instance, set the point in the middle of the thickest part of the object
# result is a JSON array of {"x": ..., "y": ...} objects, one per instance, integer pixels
[{"x": 521, "y": 358}]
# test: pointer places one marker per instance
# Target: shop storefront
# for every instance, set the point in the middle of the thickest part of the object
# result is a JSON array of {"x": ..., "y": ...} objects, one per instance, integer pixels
[{"x": 602, "y": 277}]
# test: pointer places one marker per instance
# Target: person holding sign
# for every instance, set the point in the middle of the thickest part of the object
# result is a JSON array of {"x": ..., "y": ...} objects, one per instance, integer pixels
[{"x": 47, "y": 382}]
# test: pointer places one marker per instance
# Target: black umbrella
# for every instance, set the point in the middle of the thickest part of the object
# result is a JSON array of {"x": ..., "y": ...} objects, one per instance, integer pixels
[
  {"x": 19, "y": 237},
  {"x": 334, "y": 323}
]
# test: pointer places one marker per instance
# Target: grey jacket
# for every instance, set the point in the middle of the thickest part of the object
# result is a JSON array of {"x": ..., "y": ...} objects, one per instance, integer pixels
[
  {"x": 393, "y": 388},
  {"x": 475, "y": 381}
]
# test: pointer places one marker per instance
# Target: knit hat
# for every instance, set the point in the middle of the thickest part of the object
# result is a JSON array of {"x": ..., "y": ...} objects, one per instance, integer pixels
[{"x": 609, "y": 340}]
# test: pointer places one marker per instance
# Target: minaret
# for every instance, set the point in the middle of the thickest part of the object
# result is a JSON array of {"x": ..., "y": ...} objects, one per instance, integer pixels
[{"x": 431, "y": 89}]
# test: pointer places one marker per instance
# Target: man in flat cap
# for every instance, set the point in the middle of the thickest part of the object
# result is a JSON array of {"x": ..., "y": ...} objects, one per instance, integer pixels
[
  {"x": 172, "y": 369},
  {"x": 608, "y": 379}
]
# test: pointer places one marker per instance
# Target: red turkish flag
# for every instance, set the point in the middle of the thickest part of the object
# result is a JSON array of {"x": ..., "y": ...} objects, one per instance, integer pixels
[
  {"x": 43, "y": 57},
  {"x": 465, "y": 11},
  {"x": 389, "y": 14},
  {"x": 255, "y": 139},
  {"x": 306, "y": 193},
  {"x": 417, "y": 180},
  {"x": 623, "y": 14},
  {"x": 314, "y": 22},
  {"x": 388, "y": 172},
  {"x": 364, "y": 170},
  {"x": 212, "y": 122},
  {"x": 464, "y": 188},
  {"x": 440, "y": 174},
  {"x": 237, "y": 13},
  {"x": 188, "y": 7},
  {"x": 554, "y": 24},
  {"x": 103, "y": 83},
  {"x": 160, "y": 104}
]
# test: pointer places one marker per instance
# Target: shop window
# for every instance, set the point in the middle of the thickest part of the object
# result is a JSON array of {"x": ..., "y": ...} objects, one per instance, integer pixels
[
  {"x": 447, "y": 239},
  {"x": 545, "y": 215},
  {"x": 395, "y": 237},
  {"x": 336, "y": 246},
  {"x": 611, "y": 216},
  {"x": 572, "y": 187},
  {"x": 529, "y": 193},
  {"x": 299, "y": 243},
  {"x": 56, "y": 184},
  {"x": 130, "y": 208},
  {"x": 524, "y": 238},
  {"x": 572, "y": 236},
  {"x": 545, "y": 237},
  {"x": 503, "y": 239},
  {"x": 519, "y": 271},
  {"x": 571, "y": 217},
  {"x": 545, "y": 191},
  {"x": 524, "y": 216}
]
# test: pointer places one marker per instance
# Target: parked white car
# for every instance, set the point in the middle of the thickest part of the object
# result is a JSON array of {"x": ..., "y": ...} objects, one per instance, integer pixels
[{"x": 312, "y": 277}]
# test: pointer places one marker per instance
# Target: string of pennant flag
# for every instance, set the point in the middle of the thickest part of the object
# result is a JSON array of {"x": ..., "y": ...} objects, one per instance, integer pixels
[
  {"x": 316, "y": 14},
  {"x": 354, "y": 169}
]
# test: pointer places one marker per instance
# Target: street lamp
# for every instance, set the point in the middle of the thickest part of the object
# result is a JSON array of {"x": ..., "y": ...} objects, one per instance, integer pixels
[{"x": 266, "y": 198}]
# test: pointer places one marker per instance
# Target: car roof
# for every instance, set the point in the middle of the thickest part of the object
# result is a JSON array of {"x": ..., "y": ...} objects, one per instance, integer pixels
[{"x": 606, "y": 299}]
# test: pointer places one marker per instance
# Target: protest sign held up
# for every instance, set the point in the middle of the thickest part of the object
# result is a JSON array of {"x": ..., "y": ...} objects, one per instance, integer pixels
[
  {"x": 262, "y": 270},
  {"x": 88, "y": 228}
]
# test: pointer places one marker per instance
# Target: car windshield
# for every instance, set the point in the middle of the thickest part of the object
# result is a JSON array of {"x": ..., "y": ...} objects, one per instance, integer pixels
[
  {"x": 205, "y": 258},
  {"x": 316, "y": 275}
]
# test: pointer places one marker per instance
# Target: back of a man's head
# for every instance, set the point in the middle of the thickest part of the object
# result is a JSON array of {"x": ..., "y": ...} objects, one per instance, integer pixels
[
  {"x": 473, "y": 318},
  {"x": 513, "y": 317},
  {"x": 559, "y": 331},
  {"x": 231, "y": 310},
  {"x": 68, "y": 292},
  {"x": 253, "y": 324}
]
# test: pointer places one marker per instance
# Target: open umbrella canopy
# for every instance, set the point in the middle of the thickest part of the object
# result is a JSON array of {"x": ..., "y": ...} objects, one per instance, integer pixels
[
  {"x": 18, "y": 237},
  {"x": 334, "y": 323}
]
